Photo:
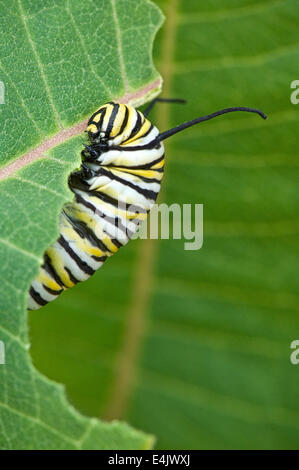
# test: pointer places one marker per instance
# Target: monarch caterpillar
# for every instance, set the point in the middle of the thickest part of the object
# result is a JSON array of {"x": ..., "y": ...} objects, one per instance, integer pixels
[{"x": 116, "y": 186}]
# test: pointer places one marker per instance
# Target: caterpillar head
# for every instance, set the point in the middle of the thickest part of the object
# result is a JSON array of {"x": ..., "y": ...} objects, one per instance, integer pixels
[
  {"x": 116, "y": 124},
  {"x": 116, "y": 127}
]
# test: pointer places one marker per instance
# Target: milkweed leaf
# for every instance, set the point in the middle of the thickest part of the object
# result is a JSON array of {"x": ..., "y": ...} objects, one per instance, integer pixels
[{"x": 59, "y": 61}]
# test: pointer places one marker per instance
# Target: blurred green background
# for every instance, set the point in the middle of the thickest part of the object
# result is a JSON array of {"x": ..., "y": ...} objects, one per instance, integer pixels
[{"x": 194, "y": 346}]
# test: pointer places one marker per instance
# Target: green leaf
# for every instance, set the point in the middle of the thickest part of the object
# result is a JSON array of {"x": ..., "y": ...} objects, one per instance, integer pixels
[
  {"x": 194, "y": 346},
  {"x": 59, "y": 61}
]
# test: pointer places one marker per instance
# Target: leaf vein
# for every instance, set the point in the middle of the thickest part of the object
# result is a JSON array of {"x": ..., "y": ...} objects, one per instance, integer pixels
[
  {"x": 119, "y": 47},
  {"x": 20, "y": 250},
  {"x": 39, "y": 63},
  {"x": 85, "y": 50}
]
